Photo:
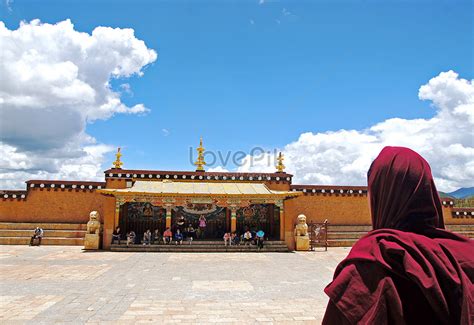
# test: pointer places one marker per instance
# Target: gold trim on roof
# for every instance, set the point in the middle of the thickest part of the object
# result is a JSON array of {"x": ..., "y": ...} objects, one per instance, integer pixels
[{"x": 194, "y": 189}]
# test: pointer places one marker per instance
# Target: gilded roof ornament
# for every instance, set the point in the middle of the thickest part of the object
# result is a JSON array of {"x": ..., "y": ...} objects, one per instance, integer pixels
[
  {"x": 280, "y": 167},
  {"x": 200, "y": 163},
  {"x": 118, "y": 163}
]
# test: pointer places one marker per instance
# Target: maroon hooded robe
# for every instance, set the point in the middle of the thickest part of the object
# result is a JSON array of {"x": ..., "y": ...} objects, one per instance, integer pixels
[{"x": 408, "y": 270}]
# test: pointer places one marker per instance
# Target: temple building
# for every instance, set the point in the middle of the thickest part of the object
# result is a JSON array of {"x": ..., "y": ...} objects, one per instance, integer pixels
[{"x": 229, "y": 201}]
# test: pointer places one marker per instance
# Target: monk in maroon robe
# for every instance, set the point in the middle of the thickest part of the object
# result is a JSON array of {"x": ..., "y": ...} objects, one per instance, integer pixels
[{"x": 408, "y": 270}]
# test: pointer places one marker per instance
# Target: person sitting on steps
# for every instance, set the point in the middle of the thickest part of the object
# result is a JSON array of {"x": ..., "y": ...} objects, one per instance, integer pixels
[
  {"x": 167, "y": 236},
  {"x": 131, "y": 237},
  {"x": 190, "y": 233},
  {"x": 178, "y": 237},
  {"x": 227, "y": 239},
  {"x": 38, "y": 234},
  {"x": 260, "y": 239},
  {"x": 234, "y": 238},
  {"x": 116, "y": 235},
  {"x": 147, "y": 237},
  {"x": 156, "y": 236},
  {"x": 248, "y": 238}
]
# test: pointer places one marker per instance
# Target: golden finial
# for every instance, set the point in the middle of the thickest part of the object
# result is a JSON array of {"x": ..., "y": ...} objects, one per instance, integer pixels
[
  {"x": 200, "y": 159},
  {"x": 117, "y": 163},
  {"x": 280, "y": 167}
]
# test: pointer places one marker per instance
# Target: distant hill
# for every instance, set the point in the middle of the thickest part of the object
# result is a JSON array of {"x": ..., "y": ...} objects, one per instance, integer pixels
[
  {"x": 444, "y": 194},
  {"x": 462, "y": 193}
]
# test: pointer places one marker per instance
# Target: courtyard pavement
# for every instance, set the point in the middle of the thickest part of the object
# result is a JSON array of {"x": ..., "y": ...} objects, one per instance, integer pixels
[{"x": 60, "y": 284}]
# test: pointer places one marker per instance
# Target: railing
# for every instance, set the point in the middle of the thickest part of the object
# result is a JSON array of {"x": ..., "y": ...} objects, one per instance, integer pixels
[{"x": 318, "y": 234}]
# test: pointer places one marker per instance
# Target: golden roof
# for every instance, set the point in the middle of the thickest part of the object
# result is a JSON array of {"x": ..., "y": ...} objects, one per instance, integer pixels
[{"x": 166, "y": 188}]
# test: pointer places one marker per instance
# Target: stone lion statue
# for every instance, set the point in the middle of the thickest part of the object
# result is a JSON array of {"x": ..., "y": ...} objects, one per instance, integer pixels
[
  {"x": 93, "y": 226},
  {"x": 301, "y": 228}
]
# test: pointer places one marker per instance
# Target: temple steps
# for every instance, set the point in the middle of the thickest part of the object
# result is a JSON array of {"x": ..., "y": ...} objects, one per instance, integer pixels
[
  {"x": 73, "y": 234},
  {"x": 59, "y": 241},
  {"x": 32, "y": 225},
  {"x": 47, "y": 233},
  {"x": 66, "y": 234},
  {"x": 345, "y": 235},
  {"x": 349, "y": 228},
  {"x": 201, "y": 247},
  {"x": 461, "y": 228}
]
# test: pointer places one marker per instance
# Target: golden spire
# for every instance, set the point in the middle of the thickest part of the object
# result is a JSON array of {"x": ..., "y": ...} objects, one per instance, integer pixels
[
  {"x": 280, "y": 167},
  {"x": 117, "y": 163},
  {"x": 200, "y": 159}
]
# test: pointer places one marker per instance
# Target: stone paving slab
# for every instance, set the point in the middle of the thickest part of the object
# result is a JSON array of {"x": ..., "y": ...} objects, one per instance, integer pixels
[{"x": 65, "y": 285}]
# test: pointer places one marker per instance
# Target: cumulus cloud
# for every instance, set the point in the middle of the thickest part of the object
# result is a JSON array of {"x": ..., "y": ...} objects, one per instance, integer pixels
[
  {"x": 53, "y": 81},
  {"x": 218, "y": 169},
  {"x": 343, "y": 157}
]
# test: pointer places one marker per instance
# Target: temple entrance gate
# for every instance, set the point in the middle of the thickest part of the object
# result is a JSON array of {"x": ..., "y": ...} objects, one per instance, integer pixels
[
  {"x": 215, "y": 218},
  {"x": 257, "y": 217},
  {"x": 227, "y": 207},
  {"x": 140, "y": 216}
]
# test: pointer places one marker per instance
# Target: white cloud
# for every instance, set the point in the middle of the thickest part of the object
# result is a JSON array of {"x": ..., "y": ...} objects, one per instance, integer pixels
[
  {"x": 218, "y": 169},
  {"x": 343, "y": 157},
  {"x": 53, "y": 81},
  {"x": 165, "y": 132}
]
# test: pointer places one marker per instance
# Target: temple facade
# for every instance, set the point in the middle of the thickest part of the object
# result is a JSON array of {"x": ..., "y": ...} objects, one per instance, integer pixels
[{"x": 230, "y": 202}]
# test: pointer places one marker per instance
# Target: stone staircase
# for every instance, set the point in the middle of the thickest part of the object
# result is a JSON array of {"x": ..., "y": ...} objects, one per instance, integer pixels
[
  {"x": 463, "y": 230},
  {"x": 73, "y": 235},
  {"x": 201, "y": 246},
  {"x": 67, "y": 234},
  {"x": 347, "y": 235}
]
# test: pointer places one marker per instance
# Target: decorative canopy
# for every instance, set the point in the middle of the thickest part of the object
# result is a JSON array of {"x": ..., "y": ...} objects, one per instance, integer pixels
[{"x": 170, "y": 188}]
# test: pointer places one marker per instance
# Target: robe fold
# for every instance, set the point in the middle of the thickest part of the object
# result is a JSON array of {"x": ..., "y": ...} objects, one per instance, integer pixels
[{"x": 408, "y": 270}]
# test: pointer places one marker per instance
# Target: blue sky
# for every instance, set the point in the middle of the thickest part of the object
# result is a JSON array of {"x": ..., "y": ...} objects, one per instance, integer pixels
[{"x": 244, "y": 74}]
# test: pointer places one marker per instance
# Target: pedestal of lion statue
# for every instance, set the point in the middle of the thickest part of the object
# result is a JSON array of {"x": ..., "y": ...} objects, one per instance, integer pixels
[
  {"x": 92, "y": 237},
  {"x": 91, "y": 242},
  {"x": 302, "y": 243},
  {"x": 301, "y": 234}
]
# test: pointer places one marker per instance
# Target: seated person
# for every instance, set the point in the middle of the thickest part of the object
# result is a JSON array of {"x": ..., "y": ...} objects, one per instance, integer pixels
[
  {"x": 260, "y": 239},
  {"x": 116, "y": 235},
  {"x": 37, "y": 235},
  {"x": 131, "y": 237},
  {"x": 167, "y": 236},
  {"x": 247, "y": 237},
  {"x": 190, "y": 233},
  {"x": 227, "y": 239},
  {"x": 178, "y": 237},
  {"x": 254, "y": 237},
  {"x": 156, "y": 236},
  {"x": 235, "y": 239},
  {"x": 147, "y": 237}
]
